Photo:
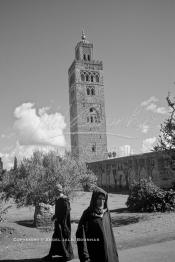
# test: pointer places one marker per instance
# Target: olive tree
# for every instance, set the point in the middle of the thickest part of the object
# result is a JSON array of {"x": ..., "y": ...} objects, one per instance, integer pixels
[{"x": 34, "y": 180}]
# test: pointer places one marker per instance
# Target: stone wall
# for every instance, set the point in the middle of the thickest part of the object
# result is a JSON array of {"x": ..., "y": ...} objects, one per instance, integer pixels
[{"x": 117, "y": 174}]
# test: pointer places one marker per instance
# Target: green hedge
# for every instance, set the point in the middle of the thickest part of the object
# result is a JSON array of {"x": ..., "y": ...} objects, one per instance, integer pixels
[{"x": 145, "y": 196}]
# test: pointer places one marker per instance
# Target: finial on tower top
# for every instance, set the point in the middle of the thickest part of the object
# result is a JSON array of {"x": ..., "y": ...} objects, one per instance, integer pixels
[{"x": 83, "y": 36}]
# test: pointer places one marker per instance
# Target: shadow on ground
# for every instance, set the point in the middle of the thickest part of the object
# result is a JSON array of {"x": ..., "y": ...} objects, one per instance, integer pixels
[
  {"x": 123, "y": 221},
  {"x": 25, "y": 223},
  {"x": 126, "y": 217},
  {"x": 119, "y": 210},
  {"x": 120, "y": 220}
]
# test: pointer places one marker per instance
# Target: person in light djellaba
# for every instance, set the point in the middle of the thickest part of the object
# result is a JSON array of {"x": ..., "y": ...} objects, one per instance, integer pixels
[
  {"x": 61, "y": 240},
  {"x": 95, "y": 237}
]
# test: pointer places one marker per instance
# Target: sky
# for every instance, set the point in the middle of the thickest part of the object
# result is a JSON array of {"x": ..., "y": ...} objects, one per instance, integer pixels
[{"x": 135, "y": 39}]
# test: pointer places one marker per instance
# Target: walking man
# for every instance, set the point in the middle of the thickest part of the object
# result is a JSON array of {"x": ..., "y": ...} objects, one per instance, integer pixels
[
  {"x": 95, "y": 237},
  {"x": 61, "y": 239}
]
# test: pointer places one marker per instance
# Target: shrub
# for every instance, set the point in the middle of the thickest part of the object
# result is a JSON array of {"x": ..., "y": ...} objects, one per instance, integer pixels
[
  {"x": 145, "y": 196},
  {"x": 173, "y": 185}
]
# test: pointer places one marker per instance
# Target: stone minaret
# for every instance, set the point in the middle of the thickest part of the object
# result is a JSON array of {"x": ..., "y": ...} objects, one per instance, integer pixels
[{"x": 87, "y": 105}]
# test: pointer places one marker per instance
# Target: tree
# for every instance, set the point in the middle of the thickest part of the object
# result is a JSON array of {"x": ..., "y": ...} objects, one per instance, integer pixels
[
  {"x": 15, "y": 165},
  {"x": 166, "y": 140},
  {"x": 34, "y": 180},
  {"x": 112, "y": 154}
]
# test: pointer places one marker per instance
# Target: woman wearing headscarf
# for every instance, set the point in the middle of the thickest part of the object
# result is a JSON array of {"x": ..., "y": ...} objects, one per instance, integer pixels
[
  {"x": 61, "y": 239},
  {"x": 95, "y": 237}
]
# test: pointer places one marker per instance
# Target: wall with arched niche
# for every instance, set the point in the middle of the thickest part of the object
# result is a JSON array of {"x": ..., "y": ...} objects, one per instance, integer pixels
[
  {"x": 104, "y": 180},
  {"x": 131, "y": 176},
  {"x": 143, "y": 173},
  {"x": 155, "y": 176},
  {"x": 119, "y": 173}
]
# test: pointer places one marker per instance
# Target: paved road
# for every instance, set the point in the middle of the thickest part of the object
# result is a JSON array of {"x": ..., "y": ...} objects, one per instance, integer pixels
[{"x": 159, "y": 252}]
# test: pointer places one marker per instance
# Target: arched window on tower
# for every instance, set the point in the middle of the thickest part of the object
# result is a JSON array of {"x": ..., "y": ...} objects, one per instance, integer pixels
[
  {"x": 87, "y": 78},
  {"x": 84, "y": 57},
  {"x": 92, "y": 78},
  {"x": 97, "y": 78},
  {"x": 94, "y": 115},
  {"x": 92, "y": 91},
  {"x": 88, "y": 57},
  {"x": 88, "y": 91}
]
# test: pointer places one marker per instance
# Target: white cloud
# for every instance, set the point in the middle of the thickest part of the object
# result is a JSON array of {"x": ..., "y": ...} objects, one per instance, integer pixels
[
  {"x": 35, "y": 131},
  {"x": 149, "y": 101},
  {"x": 25, "y": 151},
  {"x": 144, "y": 128},
  {"x": 19, "y": 151},
  {"x": 162, "y": 110},
  {"x": 155, "y": 109},
  {"x": 147, "y": 144},
  {"x": 38, "y": 129},
  {"x": 150, "y": 105},
  {"x": 43, "y": 110}
]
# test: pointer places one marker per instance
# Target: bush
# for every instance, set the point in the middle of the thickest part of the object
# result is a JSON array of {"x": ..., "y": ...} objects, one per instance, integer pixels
[
  {"x": 173, "y": 185},
  {"x": 145, "y": 196}
]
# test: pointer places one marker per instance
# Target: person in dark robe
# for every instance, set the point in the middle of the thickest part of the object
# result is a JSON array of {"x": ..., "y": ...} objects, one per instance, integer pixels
[
  {"x": 95, "y": 237},
  {"x": 61, "y": 239}
]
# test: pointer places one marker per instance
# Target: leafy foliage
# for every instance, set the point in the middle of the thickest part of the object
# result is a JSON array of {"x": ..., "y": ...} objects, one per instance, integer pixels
[
  {"x": 112, "y": 154},
  {"x": 34, "y": 180},
  {"x": 145, "y": 196},
  {"x": 166, "y": 140}
]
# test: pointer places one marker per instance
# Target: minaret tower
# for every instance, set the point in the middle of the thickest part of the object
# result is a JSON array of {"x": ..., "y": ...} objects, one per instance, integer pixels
[{"x": 87, "y": 105}]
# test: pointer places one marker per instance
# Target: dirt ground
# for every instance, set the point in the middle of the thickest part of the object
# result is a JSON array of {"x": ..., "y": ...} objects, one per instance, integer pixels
[{"x": 20, "y": 241}]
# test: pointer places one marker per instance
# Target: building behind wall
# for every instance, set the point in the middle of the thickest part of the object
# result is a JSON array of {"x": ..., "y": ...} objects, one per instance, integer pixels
[{"x": 87, "y": 105}]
